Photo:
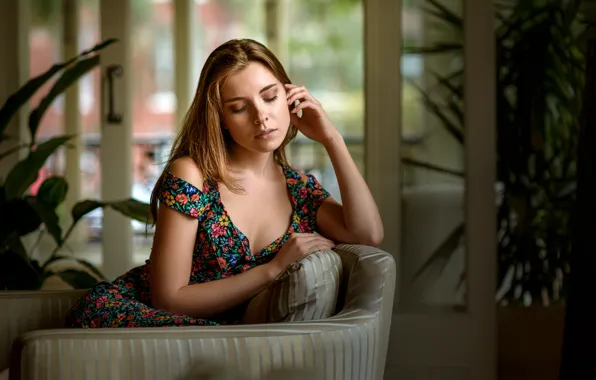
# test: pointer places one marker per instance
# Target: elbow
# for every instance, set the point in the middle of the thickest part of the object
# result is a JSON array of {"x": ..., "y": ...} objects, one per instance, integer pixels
[
  {"x": 164, "y": 303},
  {"x": 372, "y": 238}
]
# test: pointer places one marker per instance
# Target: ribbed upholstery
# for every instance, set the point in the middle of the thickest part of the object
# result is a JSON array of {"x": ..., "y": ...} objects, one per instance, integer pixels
[
  {"x": 27, "y": 311},
  {"x": 348, "y": 346},
  {"x": 306, "y": 291}
]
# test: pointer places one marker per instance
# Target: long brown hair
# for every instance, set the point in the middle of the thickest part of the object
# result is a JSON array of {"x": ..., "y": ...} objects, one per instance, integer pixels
[{"x": 202, "y": 137}]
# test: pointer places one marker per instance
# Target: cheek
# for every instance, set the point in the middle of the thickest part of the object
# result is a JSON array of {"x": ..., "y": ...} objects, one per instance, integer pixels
[
  {"x": 283, "y": 113},
  {"x": 236, "y": 123}
]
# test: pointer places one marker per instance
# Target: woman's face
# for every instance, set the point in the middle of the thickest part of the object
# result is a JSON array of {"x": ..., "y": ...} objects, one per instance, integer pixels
[{"x": 255, "y": 109}]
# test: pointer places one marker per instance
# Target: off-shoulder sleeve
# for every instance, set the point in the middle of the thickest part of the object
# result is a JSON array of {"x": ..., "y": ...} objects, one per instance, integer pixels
[
  {"x": 182, "y": 196},
  {"x": 316, "y": 194},
  {"x": 311, "y": 197}
]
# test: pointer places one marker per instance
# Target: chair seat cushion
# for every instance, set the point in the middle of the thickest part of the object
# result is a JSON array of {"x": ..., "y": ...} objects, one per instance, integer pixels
[{"x": 306, "y": 290}]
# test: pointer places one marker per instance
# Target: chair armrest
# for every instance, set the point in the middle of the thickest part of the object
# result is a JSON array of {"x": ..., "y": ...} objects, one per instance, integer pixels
[
  {"x": 24, "y": 311},
  {"x": 334, "y": 347},
  {"x": 351, "y": 344}
]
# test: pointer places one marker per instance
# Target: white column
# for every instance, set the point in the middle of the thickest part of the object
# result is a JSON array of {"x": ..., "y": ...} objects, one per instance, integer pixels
[
  {"x": 383, "y": 117},
  {"x": 481, "y": 166},
  {"x": 14, "y": 72},
  {"x": 72, "y": 121},
  {"x": 116, "y": 137},
  {"x": 184, "y": 53},
  {"x": 276, "y": 21},
  {"x": 382, "y": 132}
]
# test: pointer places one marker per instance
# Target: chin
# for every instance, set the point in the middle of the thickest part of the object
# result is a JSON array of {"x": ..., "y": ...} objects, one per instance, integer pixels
[
  {"x": 269, "y": 144},
  {"x": 267, "y": 147}
]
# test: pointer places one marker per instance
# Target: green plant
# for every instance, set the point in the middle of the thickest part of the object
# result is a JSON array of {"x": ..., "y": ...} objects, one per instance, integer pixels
[
  {"x": 22, "y": 213},
  {"x": 540, "y": 79}
]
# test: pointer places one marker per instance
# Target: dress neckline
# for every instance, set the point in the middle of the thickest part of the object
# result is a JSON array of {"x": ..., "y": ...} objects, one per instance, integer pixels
[{"x": 275, "y": 243}]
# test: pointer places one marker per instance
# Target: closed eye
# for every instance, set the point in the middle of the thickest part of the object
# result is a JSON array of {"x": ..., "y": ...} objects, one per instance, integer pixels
[{"x": 267, "y": 100}]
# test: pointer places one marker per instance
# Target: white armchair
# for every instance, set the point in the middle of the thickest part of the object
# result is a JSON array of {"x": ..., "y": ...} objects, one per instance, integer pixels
[{"x": 350, "y": 345}]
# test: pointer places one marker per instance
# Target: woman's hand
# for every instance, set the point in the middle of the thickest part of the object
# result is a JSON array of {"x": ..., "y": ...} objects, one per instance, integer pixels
[
  {"x": 314, "y": 123},
  {"x": 297, "y": 246}
]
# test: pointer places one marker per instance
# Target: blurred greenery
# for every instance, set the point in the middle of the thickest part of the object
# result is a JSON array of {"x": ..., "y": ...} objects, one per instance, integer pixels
[
  {"x": 539, "y": 86},
  {"x": 23, "y": 213}
]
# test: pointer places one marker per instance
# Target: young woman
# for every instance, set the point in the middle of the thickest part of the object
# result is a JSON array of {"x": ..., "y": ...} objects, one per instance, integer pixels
[{"x": 233, "y": 214}]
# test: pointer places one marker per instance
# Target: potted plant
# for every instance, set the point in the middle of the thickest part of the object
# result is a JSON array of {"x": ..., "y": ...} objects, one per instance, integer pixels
[
  {"x": 540, "y": 74},
  {"x": 22, "y": 213}
]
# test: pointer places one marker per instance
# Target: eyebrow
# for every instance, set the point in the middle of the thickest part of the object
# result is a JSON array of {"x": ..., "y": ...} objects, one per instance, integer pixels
[{"x": 260, "y": 92}]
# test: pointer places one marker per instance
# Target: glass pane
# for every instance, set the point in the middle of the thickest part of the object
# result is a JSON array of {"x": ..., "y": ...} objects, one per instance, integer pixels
[
  {"x": 322, "y": 37},
  {"x": 153, "y": 103},
  {"x": 433, "y": 251},
  {"x": 315, "y": 59},
  {"x": 45, "y": 50}
]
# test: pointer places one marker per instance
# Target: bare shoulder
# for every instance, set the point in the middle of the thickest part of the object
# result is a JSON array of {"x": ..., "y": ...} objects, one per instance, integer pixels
[{"x": 186, "y": 169}]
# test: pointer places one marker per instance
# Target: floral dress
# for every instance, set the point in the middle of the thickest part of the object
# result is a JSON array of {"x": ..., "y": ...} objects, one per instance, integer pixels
[{"x": 221, "y": 250}]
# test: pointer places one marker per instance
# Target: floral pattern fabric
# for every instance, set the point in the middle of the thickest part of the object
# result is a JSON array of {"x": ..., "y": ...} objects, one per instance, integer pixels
[{"x": 221, "y": 250}]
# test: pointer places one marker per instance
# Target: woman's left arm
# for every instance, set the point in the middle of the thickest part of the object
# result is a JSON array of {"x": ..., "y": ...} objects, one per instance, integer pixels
[{"x": 358, "y": 220}]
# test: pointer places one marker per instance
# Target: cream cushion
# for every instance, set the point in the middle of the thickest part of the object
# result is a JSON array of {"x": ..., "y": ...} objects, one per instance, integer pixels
[{"x": 307, "y": 290}]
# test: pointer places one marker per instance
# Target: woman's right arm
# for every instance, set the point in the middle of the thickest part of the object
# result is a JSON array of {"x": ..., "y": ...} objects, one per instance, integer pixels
[{"x": 171, "y": 262}]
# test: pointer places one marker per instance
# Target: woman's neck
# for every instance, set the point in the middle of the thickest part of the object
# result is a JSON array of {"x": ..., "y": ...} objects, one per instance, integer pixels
[{"x": 243, "y": 163}]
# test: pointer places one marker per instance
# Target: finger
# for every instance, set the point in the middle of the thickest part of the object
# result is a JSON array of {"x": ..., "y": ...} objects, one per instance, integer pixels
[
  {"x": 311, "y": 238},
  {"x": 292, "y": 88},
  {"x": 318, "y": 247},
  {"x": 295, "y": 90},
  {"x": 305, "y": 104},
  {"x": 299, "y": 95},
  {"x": 320, "y": 240}
]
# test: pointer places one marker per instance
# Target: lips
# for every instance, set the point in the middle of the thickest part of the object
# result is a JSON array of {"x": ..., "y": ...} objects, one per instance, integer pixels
[{"x": 265, "y": 134}]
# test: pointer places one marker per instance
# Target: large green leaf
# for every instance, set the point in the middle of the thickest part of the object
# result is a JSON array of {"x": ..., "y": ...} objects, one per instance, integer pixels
[
  {"x": 69, "y": 77},
  {"x": 47, "y": 214},
  {"x": 15, "y": 245},
  {"x": 20, "y": 216},
  {"x": 84, "y": 263},
  {"x": 78, "y": 279},
  {"x": 12, "y": 150},
  {"x": 22, "y": 96},
  {"x": 18, "y": 273},
  {"x": 79, "y": 210},
  {"x": 25, "y": 172},
  {"x": 82, "y": 208},
  {"x": 93, "y": 269},
  {"x": 133, "y": 209},
  {"x": 53, "y": 191}
]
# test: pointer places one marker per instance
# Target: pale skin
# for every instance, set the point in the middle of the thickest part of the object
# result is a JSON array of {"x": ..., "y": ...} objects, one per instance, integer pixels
[{"x": 255, "y": 101}]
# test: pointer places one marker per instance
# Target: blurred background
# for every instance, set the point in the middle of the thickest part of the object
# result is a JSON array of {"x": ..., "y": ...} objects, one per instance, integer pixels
[
  {"x": 323, "y": 49},
  {"x": 463, "y": 117}
]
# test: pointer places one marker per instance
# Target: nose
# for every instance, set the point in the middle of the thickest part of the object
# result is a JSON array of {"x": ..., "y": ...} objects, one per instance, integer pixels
[{"x": 260, "y": 116}]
